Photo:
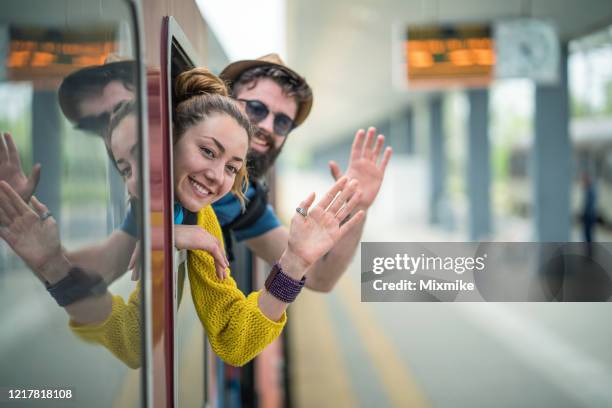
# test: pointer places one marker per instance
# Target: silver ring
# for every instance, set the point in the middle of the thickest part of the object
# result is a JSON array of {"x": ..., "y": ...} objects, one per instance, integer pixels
[
  {"x": 45, "y": 216},
  {"x": 301, "y": 211}
]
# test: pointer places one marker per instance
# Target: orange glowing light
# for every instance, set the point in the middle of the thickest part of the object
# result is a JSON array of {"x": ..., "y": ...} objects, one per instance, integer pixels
[
  {"x": 462, "y": 57},
  {"x": 443, "y": 56},
  {"x": 484, "y": 57},
  {"x": 454, "y": 44},
  {"x": 416, "y": 46},
  {"x": 436, "y": 46},
  {"x": 42, "y": 59},
  {"x": 18, "y": 59},
  {"x": 86, "y": 60},
  {"x": 420, "y": 59}
]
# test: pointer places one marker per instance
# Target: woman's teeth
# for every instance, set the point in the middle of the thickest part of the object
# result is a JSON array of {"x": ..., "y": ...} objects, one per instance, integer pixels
[{"x": 198, "y": 187}]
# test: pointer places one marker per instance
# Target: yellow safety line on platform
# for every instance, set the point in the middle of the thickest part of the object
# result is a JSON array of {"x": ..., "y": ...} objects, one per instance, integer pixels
[
  {"x": 319, "y": 376},
  {"x": 399, "y": 385}
]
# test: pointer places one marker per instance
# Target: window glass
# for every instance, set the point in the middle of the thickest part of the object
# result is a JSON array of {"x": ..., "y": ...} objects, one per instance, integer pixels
[{"x": 69, "y": 208}]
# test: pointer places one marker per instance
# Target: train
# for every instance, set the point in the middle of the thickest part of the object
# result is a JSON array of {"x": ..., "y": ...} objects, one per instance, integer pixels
[
  {"x": 591, "y": 140},
  {"x": 42, "y": 43}
]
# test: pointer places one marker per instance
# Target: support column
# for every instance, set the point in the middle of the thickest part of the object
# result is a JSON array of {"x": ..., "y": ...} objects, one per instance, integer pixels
[
  {"x": 478, "y": 165},
  {"x": 410, "y": 143},
  {"x": 437, "y": 160},
  {"x": 47, "y": 149},
  {"x": 551, "y": 159}
]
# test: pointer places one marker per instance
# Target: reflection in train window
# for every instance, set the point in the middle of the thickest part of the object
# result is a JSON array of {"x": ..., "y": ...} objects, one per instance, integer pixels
[{"x": 69, "y": 162}]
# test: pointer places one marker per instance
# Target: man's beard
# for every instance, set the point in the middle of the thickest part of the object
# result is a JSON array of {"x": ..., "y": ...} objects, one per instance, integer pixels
[{"x": 258, "y": 163}]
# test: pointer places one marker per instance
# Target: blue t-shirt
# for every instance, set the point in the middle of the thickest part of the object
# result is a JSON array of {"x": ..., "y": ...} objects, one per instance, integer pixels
[
  {"x": 130, "y": 223},
  {"x": 228, "y": 209}
]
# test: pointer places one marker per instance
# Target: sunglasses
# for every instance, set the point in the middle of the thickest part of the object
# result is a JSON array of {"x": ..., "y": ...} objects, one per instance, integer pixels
[
  {"x": 96, "y": 124},
  {"x": 258, "y": 111}
]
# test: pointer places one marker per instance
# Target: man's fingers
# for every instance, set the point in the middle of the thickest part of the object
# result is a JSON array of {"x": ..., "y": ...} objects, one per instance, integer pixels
[
  {"x": 13, "y": 154},
  {"x": 385, "y": 159},
  {"x": 367, "y": 146},
  {"x": 357, "y": 144},
  {"x": 380, "y": 142},
  {"x": 335, "y": 170},
  {"x": 34, "y": 179},
  {"x": 331, "y": 194}
]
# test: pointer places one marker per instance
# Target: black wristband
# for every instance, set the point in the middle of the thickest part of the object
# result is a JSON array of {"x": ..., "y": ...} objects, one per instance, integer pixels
[
  {"x": 77, "y": 285},
  {"x": 282, "y": 286}
]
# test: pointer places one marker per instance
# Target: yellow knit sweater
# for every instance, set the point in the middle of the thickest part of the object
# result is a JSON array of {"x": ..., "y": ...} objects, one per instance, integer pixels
[{"x": 236, "y": 327}]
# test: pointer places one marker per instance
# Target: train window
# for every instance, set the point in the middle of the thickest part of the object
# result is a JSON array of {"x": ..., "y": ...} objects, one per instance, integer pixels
[
  {"x": 193, "y": 359},
  {"x": 70, "y": 186}
]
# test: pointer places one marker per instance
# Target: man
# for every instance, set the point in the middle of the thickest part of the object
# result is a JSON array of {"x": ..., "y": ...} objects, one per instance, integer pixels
[
  {"x": 88, "y": 96},
  {"x": 277, "y": 100}
]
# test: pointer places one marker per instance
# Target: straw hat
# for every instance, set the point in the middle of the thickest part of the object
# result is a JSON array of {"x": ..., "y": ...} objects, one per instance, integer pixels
[{"x": 235, "y": 69}]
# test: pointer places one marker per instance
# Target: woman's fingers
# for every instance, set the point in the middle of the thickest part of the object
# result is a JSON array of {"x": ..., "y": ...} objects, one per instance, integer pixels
[
  {"x": 134, "y": 264},
  {"x": 5, "y": 220},
  {"x": 355, "y": 219},
  {"x": 346, "y": 210},
  {"x": 343, "y": 197},
  {"x": 349, "y": 206},
  {"x": 39, "y": 207},
  {"x": 9, "y": 204},
  {"x": 220, "y": 261},
  {"x": 307, "y": 202},
  {"x": 331, "y": 194}
]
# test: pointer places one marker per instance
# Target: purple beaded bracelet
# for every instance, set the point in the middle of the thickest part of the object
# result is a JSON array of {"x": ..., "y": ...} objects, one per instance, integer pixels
[{"x": 282, "y": 286}]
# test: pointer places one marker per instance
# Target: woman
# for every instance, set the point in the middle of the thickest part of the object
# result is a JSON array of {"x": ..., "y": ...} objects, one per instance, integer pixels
[{"x": 210, "y": 146}]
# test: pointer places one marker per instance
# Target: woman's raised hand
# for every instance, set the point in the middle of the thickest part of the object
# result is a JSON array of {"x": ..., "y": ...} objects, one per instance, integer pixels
[
  {"x": 313, "y": 235},
  {"x": 10, "y": 169},
  {"x": 31, "y": 233}
]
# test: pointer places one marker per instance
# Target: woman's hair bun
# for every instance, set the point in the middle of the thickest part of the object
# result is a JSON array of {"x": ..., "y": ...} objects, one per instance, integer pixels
[{"x": 198, "y": 81}]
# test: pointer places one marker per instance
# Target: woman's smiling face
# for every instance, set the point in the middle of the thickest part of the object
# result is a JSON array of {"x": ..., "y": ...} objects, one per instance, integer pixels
[{"x": 207, "y": 158}]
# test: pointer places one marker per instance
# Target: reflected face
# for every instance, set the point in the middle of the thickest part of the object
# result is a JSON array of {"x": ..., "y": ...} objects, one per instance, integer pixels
[
  {"x": 271, "y": 94},
  {"x": 113, "y": 93},
  {"x": 124, "y": 146},
  {"x": 207, "y": 158}
]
